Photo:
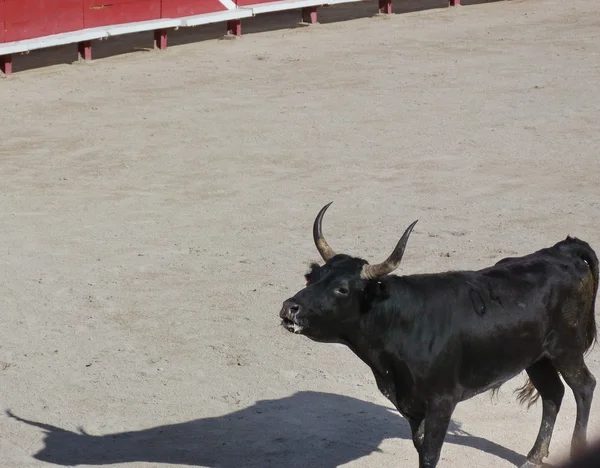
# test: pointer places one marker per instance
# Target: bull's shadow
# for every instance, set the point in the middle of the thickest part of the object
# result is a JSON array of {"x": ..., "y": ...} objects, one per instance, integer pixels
[{"x": 320, "y": 430}]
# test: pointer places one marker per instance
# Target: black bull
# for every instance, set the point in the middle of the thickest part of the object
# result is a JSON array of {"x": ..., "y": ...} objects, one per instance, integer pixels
[{"x": 435, "y": 340}]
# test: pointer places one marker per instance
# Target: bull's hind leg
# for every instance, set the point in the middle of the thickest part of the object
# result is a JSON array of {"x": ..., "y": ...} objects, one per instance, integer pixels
[
  {"x": 582, "y": 382},
  {"x": 545, "y": 379}
]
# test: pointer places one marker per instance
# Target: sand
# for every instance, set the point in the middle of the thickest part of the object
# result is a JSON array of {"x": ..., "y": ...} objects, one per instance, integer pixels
[{"x": 156, "y": 209}]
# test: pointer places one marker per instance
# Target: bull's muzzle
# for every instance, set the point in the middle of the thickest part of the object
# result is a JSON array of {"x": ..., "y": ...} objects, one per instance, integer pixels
[{"x": 289, "y": 316}]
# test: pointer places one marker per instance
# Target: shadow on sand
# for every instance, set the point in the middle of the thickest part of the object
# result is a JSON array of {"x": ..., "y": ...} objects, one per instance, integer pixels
[{"x": 320, "y": 430}]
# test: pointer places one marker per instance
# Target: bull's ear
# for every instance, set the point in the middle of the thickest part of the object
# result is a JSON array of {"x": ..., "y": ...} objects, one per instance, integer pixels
[{"x": 312, "y": 275}]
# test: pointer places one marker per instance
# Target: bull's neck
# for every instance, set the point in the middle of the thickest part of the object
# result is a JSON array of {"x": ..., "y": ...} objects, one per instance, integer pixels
[
  {"x": 371, "y": 343},
  {"x": 369, "y": 340}
]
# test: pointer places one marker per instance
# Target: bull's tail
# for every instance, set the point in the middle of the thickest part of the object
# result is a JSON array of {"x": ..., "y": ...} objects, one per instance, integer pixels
[{"x": 528, "y": 393}]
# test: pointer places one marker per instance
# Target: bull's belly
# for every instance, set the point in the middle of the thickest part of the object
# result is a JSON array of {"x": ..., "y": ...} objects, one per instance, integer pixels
[
  {"x": 482, "y": 382},
  {"x": 471, "y": 392}
]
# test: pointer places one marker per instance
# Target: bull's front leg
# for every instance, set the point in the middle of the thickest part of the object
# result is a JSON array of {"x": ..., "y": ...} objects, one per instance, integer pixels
[
  {"x": 437, "y": 418},
  {"x": 417, "y": 426}
]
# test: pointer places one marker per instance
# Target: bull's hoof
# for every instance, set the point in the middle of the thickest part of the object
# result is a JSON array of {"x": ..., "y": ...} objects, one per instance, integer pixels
[{"x": 529, "y": 464}]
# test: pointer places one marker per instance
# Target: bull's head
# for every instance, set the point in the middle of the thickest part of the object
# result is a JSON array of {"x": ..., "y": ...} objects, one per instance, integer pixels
[{"x": 337, "y": 293}]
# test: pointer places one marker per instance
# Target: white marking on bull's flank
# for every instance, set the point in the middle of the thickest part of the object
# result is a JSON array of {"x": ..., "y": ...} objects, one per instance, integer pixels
[{"x": 228, "y": 4}]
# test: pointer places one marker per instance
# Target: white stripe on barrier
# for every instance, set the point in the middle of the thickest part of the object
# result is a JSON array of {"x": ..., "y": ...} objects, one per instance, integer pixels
[
  {"x": 13, "y": 48},
  {"x": 281, "y": 5},
  {"x": 228, "y": 4},
  {"x": 152, "y": 25},
  {"x": 216, "y": 17},
  {"x": 53, "y": 40},
  {"x": 337, "y": 2}
]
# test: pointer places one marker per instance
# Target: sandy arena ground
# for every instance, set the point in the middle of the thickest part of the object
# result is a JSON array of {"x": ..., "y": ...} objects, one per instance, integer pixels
[{"x": 156, "y": 209}]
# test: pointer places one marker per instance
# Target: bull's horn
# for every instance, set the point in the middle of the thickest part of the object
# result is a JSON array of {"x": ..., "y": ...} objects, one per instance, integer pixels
[
  {"x": 322, "y": 246},
  {"x": 392, "y": 262}
]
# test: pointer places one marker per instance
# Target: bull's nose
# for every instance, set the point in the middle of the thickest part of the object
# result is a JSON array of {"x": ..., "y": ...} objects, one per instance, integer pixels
[{"x": 289, "y": 310}]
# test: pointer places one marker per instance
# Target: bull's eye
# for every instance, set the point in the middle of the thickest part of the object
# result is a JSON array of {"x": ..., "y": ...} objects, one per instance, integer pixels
[{"x": 341, "y": 291}]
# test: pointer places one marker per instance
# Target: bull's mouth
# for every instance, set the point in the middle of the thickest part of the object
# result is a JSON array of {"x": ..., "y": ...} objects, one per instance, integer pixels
[{"x": 291, "y": 325}]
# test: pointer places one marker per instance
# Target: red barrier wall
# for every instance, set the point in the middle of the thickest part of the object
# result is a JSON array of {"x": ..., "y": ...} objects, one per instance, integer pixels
[
  {"x": 24, "y": 19},
  {"x": 1, "y": 20},
  {"x": 179, "y": 8},
  {"x": 106, "y": 12}
]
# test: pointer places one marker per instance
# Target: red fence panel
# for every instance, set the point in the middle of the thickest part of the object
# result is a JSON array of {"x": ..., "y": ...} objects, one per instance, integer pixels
[
  {"x": 178, "y": 8},
  {"x": 107, "y": 12},
  {"x": 1, "y": 20},
  {"x": 243, "y": 3},
  {"x": 26, "y": 19}
]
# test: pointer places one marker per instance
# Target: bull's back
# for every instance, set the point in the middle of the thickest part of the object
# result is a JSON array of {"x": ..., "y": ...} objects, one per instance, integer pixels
[
  {"x": 536, "y": 305},
  {"x": 520, "y": 309}
]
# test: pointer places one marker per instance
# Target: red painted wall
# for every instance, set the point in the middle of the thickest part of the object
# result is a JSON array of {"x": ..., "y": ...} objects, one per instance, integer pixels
[
  {"x": 1, "y": 20},
  {"x": 243, "y": 3},
  {"x": 178, "y": 8},
  {"x": 106, "y": 12},
  {"x": 25, "y": 19}
]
